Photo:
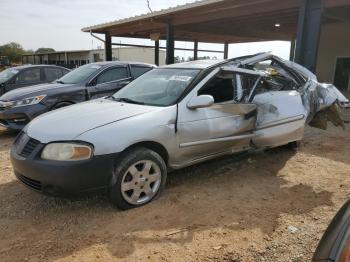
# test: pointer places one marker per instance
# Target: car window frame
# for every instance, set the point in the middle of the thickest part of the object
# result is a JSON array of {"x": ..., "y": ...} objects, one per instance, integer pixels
[
  {"x": 218, "y": 103},
  {"x": 51, "y": 67},
  {"x": 139, "y": 65},
  {"x": 25, "y": 70},
  {"x": 93, "y": 81}
]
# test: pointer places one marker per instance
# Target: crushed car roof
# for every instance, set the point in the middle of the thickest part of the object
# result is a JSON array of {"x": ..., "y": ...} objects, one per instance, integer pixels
[{"x": 197, "y": 64}]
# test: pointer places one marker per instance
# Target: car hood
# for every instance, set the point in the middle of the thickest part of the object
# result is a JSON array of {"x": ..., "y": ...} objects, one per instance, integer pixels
[
  {"x": 70, "y": 122},
  {"x": 24, "y": 92}
]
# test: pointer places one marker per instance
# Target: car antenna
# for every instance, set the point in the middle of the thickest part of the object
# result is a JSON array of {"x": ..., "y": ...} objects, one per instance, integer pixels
[{"x": 149, "y": 7}]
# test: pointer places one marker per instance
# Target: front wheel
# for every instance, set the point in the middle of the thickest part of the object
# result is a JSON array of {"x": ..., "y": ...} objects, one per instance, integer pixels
[{"x": 139, "y": 177}]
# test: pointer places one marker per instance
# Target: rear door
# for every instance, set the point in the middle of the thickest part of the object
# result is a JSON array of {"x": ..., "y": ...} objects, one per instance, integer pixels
[
  {"x": 109, "y": 81},
  {"x": 281, "y": 118},
  {"x": 281, "y": 115}
]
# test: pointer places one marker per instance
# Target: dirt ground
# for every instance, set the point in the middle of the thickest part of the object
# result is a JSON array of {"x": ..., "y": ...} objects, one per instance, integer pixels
[{"x": 236, "y": 208}]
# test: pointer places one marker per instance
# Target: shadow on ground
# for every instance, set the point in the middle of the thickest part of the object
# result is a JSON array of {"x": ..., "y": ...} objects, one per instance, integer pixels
[{"x": 240, "y": 192}]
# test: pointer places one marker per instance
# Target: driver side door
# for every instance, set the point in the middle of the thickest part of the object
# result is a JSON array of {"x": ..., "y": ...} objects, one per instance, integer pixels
[{"x": 224, "y": 127}]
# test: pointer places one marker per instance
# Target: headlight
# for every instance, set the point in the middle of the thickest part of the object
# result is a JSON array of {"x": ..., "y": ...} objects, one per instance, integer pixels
[
  {"x": 66, "y": 152},
  {"x": 27, "y": 101}
]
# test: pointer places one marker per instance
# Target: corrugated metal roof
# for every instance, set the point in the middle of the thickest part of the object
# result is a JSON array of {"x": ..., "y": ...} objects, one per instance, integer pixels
[{"x": 153, "y": 14}]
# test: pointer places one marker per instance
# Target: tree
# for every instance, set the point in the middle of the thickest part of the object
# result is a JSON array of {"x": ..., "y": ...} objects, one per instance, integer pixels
[
  {"x": 191, "y": 58},
  {"x": 13, "y": 50},
  {"x": 44, "y": 50}
]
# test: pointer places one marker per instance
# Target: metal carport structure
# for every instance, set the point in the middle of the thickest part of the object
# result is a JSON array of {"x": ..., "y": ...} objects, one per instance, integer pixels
[{"x": 232, "y": 21}]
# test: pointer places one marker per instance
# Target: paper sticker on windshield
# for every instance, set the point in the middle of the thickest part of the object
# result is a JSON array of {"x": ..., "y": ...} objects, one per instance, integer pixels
[{"x": 181, "y": 78}]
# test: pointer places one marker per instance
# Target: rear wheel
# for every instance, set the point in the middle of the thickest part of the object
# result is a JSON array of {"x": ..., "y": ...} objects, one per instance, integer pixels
[{"x": 139, "y": 178}]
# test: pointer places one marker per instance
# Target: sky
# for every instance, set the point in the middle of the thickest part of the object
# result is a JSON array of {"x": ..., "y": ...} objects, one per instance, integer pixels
[{"x": 58, "y": 23}]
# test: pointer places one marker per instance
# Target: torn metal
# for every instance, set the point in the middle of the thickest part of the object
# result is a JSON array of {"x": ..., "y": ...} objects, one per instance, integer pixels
[{"x": 321, "y": 102}]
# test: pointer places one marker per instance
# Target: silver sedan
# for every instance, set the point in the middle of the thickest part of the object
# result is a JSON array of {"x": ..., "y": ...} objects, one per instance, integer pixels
[{"x": 169, "y": 118}]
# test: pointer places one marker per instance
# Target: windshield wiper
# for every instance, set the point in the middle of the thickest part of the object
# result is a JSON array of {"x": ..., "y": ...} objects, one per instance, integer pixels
[
  {"x": 127, "y": 100},
  {"x": 60, "y": 82}
]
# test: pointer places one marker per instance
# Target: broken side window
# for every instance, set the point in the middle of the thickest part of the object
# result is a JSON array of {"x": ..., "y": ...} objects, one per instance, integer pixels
[
  {"x": 220, "y": 88},
  {"x": 277, "y": 78}
]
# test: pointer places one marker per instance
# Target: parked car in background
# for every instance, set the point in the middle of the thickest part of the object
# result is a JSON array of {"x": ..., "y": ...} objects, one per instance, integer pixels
[
  {"x": 28, "y": 75},
  {"x": 18, "y": 107},
  {"x": 335, "y": 243},
  {"x": 173, "y": 116},
  {"x": 4, "y": 61}
]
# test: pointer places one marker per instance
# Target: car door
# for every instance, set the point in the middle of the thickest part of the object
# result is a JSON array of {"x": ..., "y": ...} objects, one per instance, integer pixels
[
  {"x": 225, "y": 126},
  {"x": 281, "y": 113},
  {"x": 26, "y": 77},
  {"x": 109, "y": 81}
]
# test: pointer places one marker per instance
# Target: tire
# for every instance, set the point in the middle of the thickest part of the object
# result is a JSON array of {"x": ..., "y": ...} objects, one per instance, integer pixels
[
  {"x": 139, "y": 177},
  {"x": 60, "y": 105}
]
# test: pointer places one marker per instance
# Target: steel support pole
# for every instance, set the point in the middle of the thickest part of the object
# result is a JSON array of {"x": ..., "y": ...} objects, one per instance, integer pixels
[
  {"x": 195, "y": 50},
  {"x": 308, "y": 33},
  {"x": 156, "y": 52},
  {"x": 226, "y": 50},
  {"x": 108, "y": 47},
  {"x": 170, "y": 45},
  {"x": 292, "y": 50}
]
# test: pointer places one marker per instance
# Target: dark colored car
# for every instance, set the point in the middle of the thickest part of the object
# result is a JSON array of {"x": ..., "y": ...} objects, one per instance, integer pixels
[
  {"x": 335, "y": 243},
  {"x": 28, "y": 75},
  {"x": 18, "y": 107}
]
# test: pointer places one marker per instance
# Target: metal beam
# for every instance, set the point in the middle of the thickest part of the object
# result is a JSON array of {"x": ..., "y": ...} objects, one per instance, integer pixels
[
  {"x": 195, "y": 50},
  {"x": 170, "y": 45},
  {"x": 308, "y": 34},
  {"x": 292, "y": 50},
  {"x": 156, "y": 52},
  {"x": 176, "y": 48},
  {"x": 108, "y": 47},
  {"x": 226, "y": 51}
]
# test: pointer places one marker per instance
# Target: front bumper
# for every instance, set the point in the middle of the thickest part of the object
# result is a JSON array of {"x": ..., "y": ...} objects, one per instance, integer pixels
[
  {"x": 16, "y": 118},
  {"x": 62, "y": 178}
]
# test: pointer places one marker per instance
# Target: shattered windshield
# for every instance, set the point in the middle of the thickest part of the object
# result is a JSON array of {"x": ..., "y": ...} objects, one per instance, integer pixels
[
  {"x": 159, "y": 87},
  {"x": 7, "y": 74}
]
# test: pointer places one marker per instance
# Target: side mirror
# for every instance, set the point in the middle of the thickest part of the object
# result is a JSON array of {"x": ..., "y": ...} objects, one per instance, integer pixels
[{"x": 200, "y": 102}]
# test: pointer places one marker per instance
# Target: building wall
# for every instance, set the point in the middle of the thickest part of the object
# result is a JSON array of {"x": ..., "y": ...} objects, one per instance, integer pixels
[
  {"x": 334, "y": 42},
  {"x": 137, "y": 54},
  {"x": 78, "y": 58}
]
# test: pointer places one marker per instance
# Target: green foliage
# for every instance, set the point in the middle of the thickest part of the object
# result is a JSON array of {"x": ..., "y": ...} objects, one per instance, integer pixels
[
  {"x": 13, "y": 51},
  {"x": 44, "y": 50}
]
